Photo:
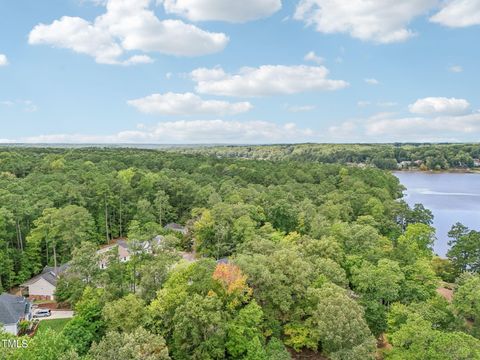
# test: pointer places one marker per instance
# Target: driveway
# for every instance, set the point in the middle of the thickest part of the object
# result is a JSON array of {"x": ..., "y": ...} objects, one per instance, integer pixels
[{"x": 59, "y": 314}]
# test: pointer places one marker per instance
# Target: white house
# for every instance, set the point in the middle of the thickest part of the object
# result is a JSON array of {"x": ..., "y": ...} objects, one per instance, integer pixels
[
  {"x": 150, "y": 246},
  {"x": 43, "y": 286},
  {"x": 13, "y": 309},
  {"x": 103, "y": 255},
  {"x": 126, "y": 248},
  {"x": 121, "y": 245},
  {"x": 404, "y": 164}
]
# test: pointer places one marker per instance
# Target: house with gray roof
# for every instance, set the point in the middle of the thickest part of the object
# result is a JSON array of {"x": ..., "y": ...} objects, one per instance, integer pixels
[
  {"x": 43, "y": 286},
  {"x": 13, "y": 309},
  {"x": 176, "y": 227}
]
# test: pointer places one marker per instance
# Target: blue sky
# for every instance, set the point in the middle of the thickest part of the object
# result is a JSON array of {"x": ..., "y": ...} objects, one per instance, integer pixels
[{"x": 225, "y": 71}]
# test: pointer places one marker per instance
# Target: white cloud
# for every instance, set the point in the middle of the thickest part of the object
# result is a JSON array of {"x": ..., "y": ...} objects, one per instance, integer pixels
[
  {"x": 311, "y": 56},
  {"x": 449, "y": 121},
  {"x": 190, "y": 132},
  {"x": 372, "y": 81},
  {"x": 381, "y": 21},
  {"x": 363, "y": 103},
  {"x": 387, "y": 103},
  {"x": 265, "y": 80},
  {"x": 138, "y": 28},
  {"x": 234, "y": 11},
  {"x": 138, "y": 59},
  {"x": 456, "y": 69},
  {"x": 24, "y": 105},
  {"x": 29, "y": 106},
  {"x": 80, "y": 36},
  {"x": 94, "y": 2},
  {"x": 127, "y": 25},
  {"x": 343, "y": 131},
  {"x": 300, "y": 108},
  {"x": 436, "y": 120},
  {"x": 3, "y": 60},
  {"x": 187, "y": 104},
  {"x": 439, "y": 105},
  {"x": 458, "y": 13},
  {"x": 411, "y": 127}
]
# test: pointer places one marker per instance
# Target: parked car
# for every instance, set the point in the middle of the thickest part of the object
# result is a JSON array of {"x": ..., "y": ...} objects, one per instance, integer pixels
[{"x": 42, "y": 313}]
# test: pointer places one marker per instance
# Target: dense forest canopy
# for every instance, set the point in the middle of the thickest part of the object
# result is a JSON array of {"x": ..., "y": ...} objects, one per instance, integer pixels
[
  {"x": 384, "y": 156},
  {"x": 291, "y": 256}
]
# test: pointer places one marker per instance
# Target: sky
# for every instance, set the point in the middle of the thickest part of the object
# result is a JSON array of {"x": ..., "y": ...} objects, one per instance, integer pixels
[{"x": 229, "y": 71}]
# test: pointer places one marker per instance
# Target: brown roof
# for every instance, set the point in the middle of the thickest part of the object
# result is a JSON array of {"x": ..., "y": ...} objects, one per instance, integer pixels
[{"x": 446, "y": 293}]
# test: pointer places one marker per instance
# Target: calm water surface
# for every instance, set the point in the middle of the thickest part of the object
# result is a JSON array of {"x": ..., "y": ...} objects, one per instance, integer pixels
[{"x": 452, "y": 197}]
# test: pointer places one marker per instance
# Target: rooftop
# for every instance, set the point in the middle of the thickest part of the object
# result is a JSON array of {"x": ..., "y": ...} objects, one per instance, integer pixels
[
  {"x": 49, "y": 273},
  {"x": 12, "y": 308},
  {"x": 175, "y": 227}
]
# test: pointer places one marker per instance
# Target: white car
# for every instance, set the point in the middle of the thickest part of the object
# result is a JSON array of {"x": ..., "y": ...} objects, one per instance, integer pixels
[{"x": 42, "y": 313}]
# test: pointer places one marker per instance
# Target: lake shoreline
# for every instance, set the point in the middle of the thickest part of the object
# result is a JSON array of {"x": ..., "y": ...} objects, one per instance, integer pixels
[{"x": 445, "y": 171}]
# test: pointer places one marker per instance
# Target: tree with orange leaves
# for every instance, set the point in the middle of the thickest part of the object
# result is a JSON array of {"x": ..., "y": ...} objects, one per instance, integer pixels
[{"x": 234, "y": 283}]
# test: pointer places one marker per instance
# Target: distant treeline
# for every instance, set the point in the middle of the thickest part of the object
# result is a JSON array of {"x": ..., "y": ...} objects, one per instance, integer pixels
[{"x": 383, "y": 156}]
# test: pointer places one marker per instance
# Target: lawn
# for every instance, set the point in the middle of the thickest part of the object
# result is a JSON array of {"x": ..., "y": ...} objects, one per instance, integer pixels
[{"x": 54, "y": 324}]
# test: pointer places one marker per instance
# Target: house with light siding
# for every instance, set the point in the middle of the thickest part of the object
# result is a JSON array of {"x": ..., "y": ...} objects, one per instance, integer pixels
[
  {"x": 43, "y": 286},
  {"x": 120, "y": 246},
  {"x": 126, "y": 248},
  {"x": 13, "y": 309},
  {"x": 104, "y": 253}
]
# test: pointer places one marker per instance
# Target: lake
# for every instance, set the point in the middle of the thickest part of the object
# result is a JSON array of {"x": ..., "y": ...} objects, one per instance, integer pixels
[{"x": 452, "y": 197}]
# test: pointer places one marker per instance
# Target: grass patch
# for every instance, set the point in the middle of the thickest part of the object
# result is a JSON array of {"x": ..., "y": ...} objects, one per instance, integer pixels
[{"x": 54, "y": 324}]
